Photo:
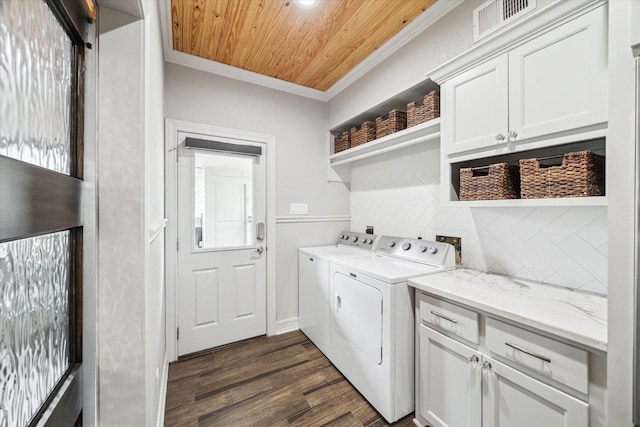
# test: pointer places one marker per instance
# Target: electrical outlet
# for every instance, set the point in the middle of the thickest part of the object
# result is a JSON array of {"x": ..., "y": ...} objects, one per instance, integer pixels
[
  {"x": 298, "y": 209},
  {"x": 457, "y": 244}
]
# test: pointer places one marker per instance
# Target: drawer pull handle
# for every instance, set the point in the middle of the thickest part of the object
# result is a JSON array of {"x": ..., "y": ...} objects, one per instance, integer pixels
[
  {"x": 530, "y": 353},
  {"x": 442, "y": 316}
]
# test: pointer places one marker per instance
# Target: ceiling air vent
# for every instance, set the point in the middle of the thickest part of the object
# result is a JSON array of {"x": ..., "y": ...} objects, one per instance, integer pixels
[{"x": 495, "y": 14}]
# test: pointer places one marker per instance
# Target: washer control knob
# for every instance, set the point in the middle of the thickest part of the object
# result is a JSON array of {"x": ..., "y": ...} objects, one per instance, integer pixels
[
  {"x": 342, "y": 236},
  {"x": 406, "y": 246},
  {"x": 432, "y": 250},
  {"x": 368, "y": 241},
  {"x": 355, "y": 239},
  {"x": 392, "y": 244},
  {"x": 423, "y": 249}
]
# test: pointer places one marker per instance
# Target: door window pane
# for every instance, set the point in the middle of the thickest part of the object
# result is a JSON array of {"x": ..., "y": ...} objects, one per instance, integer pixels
[
  {"x": 34, "y": 323},
  {"x": 223, "y": 211},
  {"x": 35, "y": 85}
]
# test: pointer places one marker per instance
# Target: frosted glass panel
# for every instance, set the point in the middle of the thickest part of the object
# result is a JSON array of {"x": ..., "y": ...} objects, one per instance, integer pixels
[
  {"x": 35, "y": 85},
  {"x": 34, "y": 329}
]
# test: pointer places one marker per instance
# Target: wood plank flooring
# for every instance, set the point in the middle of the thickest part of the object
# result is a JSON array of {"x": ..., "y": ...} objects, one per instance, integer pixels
[{"x": 266, "y": 381}]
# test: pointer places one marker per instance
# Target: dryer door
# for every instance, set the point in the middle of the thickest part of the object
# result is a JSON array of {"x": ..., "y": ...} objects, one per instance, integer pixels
[{"x": 357, "y": 309}]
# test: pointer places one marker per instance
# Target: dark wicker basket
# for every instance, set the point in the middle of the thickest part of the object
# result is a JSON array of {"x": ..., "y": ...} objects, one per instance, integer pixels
[
  {"x": 342, "y": 142},
  {"x": 494, "y": 182},
  {"x": 395, "y": 121},
  {"x": 581, "y": 174},
  {"x": 365, "y": 133},
  {"x": 423, "y": 110}
]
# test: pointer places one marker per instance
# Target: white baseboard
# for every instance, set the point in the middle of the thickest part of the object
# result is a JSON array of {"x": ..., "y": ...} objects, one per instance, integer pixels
[
  {"x": 287, "y": 325},
  {"x": 162, "y": 395}
]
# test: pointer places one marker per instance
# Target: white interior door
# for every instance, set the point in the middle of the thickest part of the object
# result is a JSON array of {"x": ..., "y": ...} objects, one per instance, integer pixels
[{"x": 221, "y": 285}]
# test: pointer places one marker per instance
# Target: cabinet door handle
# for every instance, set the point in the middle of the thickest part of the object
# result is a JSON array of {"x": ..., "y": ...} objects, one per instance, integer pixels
[
  {"x": 442, "y": 316},
  {"x": 512, "y": 134},
  {"x": 500, "y": 137},
  {"x": 529, "y": 352}
]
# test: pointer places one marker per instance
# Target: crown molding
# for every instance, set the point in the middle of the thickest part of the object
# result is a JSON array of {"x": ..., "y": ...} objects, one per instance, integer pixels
[{"x": 404, "y": 36}]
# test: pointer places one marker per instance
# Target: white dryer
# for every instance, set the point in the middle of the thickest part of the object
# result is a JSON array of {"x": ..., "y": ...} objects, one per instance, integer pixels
[
  {"x": 372, "y": 320},
  {"x": 313, "y": 283}
]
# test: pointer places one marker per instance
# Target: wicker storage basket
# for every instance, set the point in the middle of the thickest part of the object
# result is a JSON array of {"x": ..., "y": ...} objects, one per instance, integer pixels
[
  {"x": 342, "y": 142},
  {"x": 423, "y": 110},
  {"x": 395, "y": 121},
  {"x": 501, "y": 182},
  {"x": 366, "y": 133},
  {"x": 581, "y": 174}
]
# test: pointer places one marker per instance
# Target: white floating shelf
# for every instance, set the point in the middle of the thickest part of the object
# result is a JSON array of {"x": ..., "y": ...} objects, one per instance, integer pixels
[
  {"x": 512, "y": 203},
  {"x": 427, "y": 131}
]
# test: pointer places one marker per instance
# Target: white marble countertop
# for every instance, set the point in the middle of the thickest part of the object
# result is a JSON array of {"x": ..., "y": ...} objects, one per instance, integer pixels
[{"x": 575, "y": 316}]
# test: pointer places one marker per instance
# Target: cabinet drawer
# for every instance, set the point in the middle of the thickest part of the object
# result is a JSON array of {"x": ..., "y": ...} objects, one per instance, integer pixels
[
  {"x": 449, "y": 318},
  {"x": 553, "y": 359}
]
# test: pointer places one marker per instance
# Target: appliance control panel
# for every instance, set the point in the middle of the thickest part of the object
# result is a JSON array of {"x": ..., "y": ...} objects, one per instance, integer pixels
[
  {"x": 418, "y": 250},
  {"x": 357, "y": 240}
]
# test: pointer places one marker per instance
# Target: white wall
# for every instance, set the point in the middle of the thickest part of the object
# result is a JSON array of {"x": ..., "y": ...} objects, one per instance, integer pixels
[
  {"x": 131, "y": 347},
  {"x": 399, "y": 194},
  {"x": 121, "y": 356},
  {"x": 621, "y": 170},
  {"x": 298, "y": 125},
  {"x": 154, "y": 300}
]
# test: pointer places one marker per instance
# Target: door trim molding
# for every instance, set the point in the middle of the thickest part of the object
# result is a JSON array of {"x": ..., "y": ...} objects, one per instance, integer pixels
[{"x": 172, "y": 128}]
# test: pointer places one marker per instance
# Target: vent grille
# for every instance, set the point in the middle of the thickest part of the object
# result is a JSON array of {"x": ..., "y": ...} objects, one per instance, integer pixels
[{"x": 495, "y": 14}]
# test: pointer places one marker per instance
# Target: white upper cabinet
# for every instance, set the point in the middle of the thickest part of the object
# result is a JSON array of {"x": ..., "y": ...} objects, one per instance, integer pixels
[
  {"x": 475, "y": 106},
  {"x": 556, "y": 82}
]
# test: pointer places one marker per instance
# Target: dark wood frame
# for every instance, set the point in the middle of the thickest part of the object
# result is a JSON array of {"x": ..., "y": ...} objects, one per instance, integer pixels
[{"x": 36, "y": 201}]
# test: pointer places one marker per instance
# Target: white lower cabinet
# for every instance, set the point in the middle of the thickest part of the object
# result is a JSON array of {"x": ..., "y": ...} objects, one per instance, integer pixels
[
  {"x": 459, "y": 385},
  {"x": 514, "y": 399},
  {"x": 450, "y": 382}
]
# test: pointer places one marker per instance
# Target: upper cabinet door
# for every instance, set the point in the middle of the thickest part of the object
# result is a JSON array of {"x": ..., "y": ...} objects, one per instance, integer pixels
[
  {"x": 475, "y": 107},
  {"x": 558, "y": 81}
]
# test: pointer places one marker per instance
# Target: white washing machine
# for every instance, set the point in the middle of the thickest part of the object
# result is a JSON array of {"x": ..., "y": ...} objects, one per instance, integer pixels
[
  {"x": 313, "y": 283},
  {"x": 372, "y": 318}
]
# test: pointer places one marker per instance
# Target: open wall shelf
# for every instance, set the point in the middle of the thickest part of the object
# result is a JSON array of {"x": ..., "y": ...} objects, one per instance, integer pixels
[
  {"x": 427, "y": 131},
  {"x": 598, "y": 146}
]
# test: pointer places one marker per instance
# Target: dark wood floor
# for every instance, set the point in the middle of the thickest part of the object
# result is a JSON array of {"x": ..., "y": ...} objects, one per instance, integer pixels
[{"x": 266, "y": 381}]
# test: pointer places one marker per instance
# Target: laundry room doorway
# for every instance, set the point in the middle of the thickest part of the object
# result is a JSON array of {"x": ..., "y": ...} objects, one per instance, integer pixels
[{"x": 221, "y": 253}]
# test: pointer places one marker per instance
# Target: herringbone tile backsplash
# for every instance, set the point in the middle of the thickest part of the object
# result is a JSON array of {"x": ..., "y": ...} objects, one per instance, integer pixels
[{"x": 400, "y": 195}]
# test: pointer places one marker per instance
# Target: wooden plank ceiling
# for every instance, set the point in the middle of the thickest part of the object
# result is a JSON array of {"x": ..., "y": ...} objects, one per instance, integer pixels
[{"x": 311, "y": 47}]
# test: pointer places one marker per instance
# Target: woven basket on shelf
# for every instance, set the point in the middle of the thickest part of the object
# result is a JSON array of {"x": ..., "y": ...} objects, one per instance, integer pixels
[
  {"x": 501, "y": 182},
  {"x": 365, "y": 133},
  {"x": 342, "y": 142},
  {"x": 395, "y": 121},
  {"x": 423, "y": 110},
  {"x": 581, "y": 174}
]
